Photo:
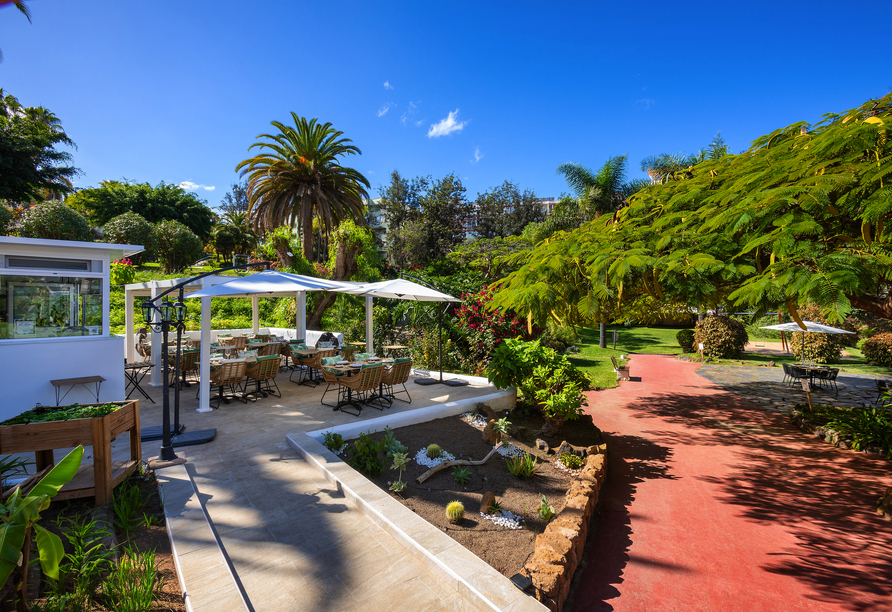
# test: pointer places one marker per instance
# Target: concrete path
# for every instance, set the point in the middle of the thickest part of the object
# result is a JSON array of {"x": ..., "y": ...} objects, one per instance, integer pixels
[{"x": 714, "y": 503}]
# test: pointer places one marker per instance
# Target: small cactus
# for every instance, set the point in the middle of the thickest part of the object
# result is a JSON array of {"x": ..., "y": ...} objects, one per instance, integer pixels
[
  {"x": 433, "y": 451},
  {"x": 455, "y": 512}
]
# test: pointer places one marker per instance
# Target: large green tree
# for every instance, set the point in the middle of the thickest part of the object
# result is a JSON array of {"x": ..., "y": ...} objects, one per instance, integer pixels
[
  {"x": 236, "y": 199},
  {"x": 233, "y": 234},
  {"x": 505, "y": 210},
  {"x": 31, "y": 166},
  {"x": 298, "y": 176},
  {"x": 164, "y": 202}
]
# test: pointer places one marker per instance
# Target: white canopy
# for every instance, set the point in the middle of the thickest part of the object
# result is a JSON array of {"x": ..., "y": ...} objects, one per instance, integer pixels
[
  {"x": 268, "y": 283},
  {"x": 810, "y": 326},
  {"x": 399, "y": 289}
]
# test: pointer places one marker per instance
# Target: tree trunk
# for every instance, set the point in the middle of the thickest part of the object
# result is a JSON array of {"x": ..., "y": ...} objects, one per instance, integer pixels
[
  {"x": 881, "y": 307},
  {"x": 282, "y": 247},
  {"x": 603, "y": 329},
  {"x": 345, "y": 266}
]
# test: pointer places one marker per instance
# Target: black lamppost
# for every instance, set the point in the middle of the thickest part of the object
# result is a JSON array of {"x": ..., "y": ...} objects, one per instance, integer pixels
[{"x": 169, "y": 315}]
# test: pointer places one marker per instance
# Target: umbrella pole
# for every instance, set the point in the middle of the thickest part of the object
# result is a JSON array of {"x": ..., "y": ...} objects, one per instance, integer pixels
[{"x": 440, "y": 340}]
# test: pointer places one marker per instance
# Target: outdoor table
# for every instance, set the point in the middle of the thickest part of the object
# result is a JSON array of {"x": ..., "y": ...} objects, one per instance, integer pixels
[
  {"x": 812, "y": 370},
  {"x": 356, "y": 343},
  {"x": 395, "y": 347},
  {"x": 351, "y": 368},
  {"x": 135, "y": 372}
]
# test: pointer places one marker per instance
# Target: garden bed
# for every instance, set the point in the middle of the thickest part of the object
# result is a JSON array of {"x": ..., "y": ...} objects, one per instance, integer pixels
[{"x": 505, "y": 548}]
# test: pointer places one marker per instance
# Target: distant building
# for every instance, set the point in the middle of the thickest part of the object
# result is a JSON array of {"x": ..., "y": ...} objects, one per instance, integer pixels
[{"x": 377, "y": 222}]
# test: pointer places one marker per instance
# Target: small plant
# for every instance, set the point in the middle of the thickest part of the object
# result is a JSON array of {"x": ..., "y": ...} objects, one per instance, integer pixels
[
  {"x": 86, "y": 562},
  {"x": 128, "y": 504},
  {"x": 53, "y": 603},
  {"x": 433, "y": 451},
  {"x": 502, "y": 426},
  {"x": 461, "y": 474},
  {"x": 400, "y": 460},
  {"x": 523, "y": 466},
  {"x": 455, "y": 512},
  {"x": 494, "y": 508},
  {"x": 365, "y": 455},
  {"x": 131, "y": 584},
  {"x": 546, "y": 512},
  {"x": 333, "y": 441},
  {"x": 685, "y": 339},
  {"x": 571, "y": 461},
  {"x": 392, "y": 446}
]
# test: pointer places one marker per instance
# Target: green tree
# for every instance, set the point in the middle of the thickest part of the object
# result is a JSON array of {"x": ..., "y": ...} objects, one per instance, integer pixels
[
  {"x": 298, "y": 176},
  {"x": 178, "y": 246},
  {"x": 505, "y": 211},
  {"x": 20, "y": 5},
  {"x": 31, "y": 167},
  {"x": 234, "y": 234},
  {"x": 131, "y": 228},
  {"x": 663, "y": 167},
  {"x": 492, "y": 257},
  {"x": 55, "y": 221},
  {"x": 444, "y": 212},
  {"x": 164, "y": 202},
  {"x": 236, "y": 199}
]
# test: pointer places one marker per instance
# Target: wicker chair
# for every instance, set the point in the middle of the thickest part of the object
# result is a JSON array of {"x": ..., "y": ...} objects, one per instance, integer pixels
[
  {"x": 347, "y": 352},
  {"x": 397, "y": 375},
  {"x": 261, "y": 337},
  {"x": 360, "y": 385},
  {"x": 330, "y": 377},
  {"x": 188, "y": 363},
  {"x": 229, "y": 374},
  {"x": 268, "y": 349},
  {"x": 264, "y": 372},
  {"x": 285, "y": 351}
]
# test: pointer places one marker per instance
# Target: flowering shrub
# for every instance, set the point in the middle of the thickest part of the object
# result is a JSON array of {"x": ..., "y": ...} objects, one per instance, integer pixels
[
  {"x": 485, "y": 328},
  {"x": 122, "y": 272},
  {"x": 722, "y": 336},
  {"x": 878, "y": 350}
]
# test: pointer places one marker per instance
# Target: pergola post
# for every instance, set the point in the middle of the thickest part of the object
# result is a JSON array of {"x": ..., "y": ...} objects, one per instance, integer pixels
[
  {"x": 129, "y": 352},
  {"x": 300, "y": 327},
  {"x": 204, "y": 386},
  {"x": 369, "y": 335},
  {"x": 255, "y": 314},
  {"x": 157, "y": 374}
]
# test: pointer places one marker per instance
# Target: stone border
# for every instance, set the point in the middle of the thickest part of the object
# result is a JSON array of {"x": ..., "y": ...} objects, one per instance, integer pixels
[
  {"x": 559, "y": 549},
  {"x": 827, "y": 434}
]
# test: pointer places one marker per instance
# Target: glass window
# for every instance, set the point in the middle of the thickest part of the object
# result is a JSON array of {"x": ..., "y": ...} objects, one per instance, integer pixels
[{"x": 50, "y": 306}]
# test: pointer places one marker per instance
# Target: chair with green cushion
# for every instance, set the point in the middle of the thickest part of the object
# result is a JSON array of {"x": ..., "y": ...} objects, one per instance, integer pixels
[
  {"x": 397, "y": 375},
  {"x": 361, "y": 385},
  {"x": 361, "y": 356},
  {"x": 264, "y": 372},
  {"x": 330, "y": 376}
]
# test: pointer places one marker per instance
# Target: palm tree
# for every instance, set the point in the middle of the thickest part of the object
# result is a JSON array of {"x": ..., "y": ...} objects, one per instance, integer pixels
[
  {"x": 20, "y": 4},
  {"x": 599, "y": 192},
  {"x": 298, "y": 176},
  {"x": 233, "y": 234},
  {"x": 661, "y": 168}
]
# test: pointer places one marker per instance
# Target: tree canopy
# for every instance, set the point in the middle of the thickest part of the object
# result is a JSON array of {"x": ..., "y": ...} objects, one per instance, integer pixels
[
  {"x": 31, "y": 167},
  {"x": 165, "y": 202},
  {"x": 505, "y": 210},
  {"x": 799, "y": 217}
]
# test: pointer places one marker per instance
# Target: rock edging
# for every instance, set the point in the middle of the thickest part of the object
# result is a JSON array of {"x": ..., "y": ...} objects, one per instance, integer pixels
[
  {"x": 558, "y": 550},
  {"x": 827, "y": 434}
]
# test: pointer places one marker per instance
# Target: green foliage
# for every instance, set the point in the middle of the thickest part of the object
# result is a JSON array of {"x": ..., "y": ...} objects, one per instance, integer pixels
[
  {"x": 43, "y": 414},
  {"x": 178, "y": 246},
  {"x": 400, "y": 461},
  {"x": 89, "y": 558},
  {"x": 433, "y": 451},
  {"x": 867, "y": 426},
  {"x": 132, "y": 582},
  {"x": 55, "y": 221},
  {"x": 455, "y": 511},
  {"x": 131, "y": 228},
  {"x": 233, "y": 234},
  {"x": 19, "y": 515},
  {"x": 12, "y": 466},
  {"x": 128, "y": 502},
  {"x": 571, "y": 461},
  {"x": 333, "y": 441},
  {"x": 546, "y": 511},
  {"x": 494, "y": 508},
  {"x": 878, "y": 350},
  {"x": 523, "y": 466},
  {"x": 165, "y": 202},
  {"x": 461, "y": 474},
  {"x": 31, "y": 166},
  {"x": 503, "y": 426},
  {"x": 685, "y": 338},
  {"x": 364, "y": 456},
  {"x": 392, "y": 446},
  {"x": 722, "y": 337},
  {"x": 491, "y": 257},
  {"x": 6, "y": 218},
  {"x": 122, "y": 272},
  {"x": 505, "y": 211}
]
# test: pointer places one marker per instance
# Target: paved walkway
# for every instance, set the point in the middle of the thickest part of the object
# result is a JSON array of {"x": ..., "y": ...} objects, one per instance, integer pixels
[{"x": 713, "y": 503}]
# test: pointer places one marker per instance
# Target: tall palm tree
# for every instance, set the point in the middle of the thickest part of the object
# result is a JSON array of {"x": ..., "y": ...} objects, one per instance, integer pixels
[
  {"x": 662, "y": 167},
  {"x": 598, "y": 192},
  {"x": 298, "y": 176},
  {"x": 19, "y": 4},
  {"x": 233, "y": 234}
]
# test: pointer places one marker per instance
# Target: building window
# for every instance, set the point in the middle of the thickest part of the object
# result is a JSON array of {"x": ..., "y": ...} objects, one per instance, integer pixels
[{"x": 50, "y": 307}]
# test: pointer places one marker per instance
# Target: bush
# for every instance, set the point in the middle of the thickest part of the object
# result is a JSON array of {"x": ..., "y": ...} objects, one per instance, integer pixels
[
  {"x": 878, "y": 350},
  {"x": 722, "y": 337},
  {"x": 365, "y": 453},
  {"x": 178, "y": 246},
  {"x": 6, "y": 217},
  {"x": 821, "y": 348},
  {"x": 685, "y": 339},
  {"x": 55, "y": 221},
  {"x": 131, "y": 228},
  {"x": 485, "y": 328}
]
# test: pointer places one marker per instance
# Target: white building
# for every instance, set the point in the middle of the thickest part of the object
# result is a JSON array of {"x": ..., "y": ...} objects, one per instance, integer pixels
[{"x": 54, "y": 322}]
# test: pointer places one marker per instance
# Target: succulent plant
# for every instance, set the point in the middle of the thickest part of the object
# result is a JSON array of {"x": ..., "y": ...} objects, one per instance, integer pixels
[
  {"x": 455, "y": 512},
  {"x": 433, "y": 451},
  {"x": 461, "y": 474},
  {"x": 546, "y": 511},
  {"x": 574, "y": 462}
]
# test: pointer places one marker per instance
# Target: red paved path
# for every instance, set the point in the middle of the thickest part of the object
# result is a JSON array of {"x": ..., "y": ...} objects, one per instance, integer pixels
[{"x": 711, "y": 503}]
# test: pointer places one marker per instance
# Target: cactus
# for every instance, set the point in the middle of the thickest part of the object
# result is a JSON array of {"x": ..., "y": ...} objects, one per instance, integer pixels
[
  {"x": 455, "y": 512},
  {"x": 434, "y": 451}
]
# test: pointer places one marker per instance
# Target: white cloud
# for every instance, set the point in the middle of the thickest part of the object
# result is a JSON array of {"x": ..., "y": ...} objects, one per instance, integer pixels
[
  {"x": 477, "y": 155},
  {"x": 387, "y": 85},
  {"x": 446, "y": 126},
  {"x": 645, "y": 103},
  {"x": 384, "y": 108},
  {"x": 409, "y": 113},
  {"x": 190, "y": 186},
  {"x": 419, "y": 123}
]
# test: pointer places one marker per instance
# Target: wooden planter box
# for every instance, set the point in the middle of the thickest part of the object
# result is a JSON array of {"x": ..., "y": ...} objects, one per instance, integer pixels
[{"x": 97, "y": 479}]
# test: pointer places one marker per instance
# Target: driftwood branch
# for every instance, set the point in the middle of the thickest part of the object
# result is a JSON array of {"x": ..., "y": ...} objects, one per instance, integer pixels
[{"x": 446, "y": 464}]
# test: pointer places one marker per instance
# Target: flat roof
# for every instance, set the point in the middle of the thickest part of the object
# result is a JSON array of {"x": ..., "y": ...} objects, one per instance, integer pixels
[{"x": 121, "y": 250}]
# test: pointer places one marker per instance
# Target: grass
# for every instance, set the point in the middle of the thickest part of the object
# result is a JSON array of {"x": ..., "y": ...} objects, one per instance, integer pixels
[{"x": 595, "y": 361}]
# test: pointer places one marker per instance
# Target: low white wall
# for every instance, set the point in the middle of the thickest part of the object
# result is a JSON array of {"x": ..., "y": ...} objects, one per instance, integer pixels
[
  {"x": 28, "y": 367},
  {"x": 287, "y": 333}
]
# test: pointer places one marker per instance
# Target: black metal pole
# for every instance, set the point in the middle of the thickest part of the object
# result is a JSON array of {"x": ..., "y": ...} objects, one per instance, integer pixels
[
  {"x": 176, "y": 378},
  {"x": 167, "y": 453},
  {"x": 440, "y": 339}
]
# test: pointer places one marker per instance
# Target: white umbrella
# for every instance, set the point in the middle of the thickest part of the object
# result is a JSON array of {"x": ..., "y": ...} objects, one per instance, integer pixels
[
  {"x": 810, "y": 327},
  {"x": 272, "y": 283}
]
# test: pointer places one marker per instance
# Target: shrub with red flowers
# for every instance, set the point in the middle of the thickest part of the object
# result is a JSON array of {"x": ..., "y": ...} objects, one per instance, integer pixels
[
  {"x": 122, "y": 272},
  {"x": 484, "y": 329}
]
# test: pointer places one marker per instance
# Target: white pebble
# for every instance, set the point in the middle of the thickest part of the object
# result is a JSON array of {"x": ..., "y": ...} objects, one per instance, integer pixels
[
  {"x": 505, "y": 518},
  {"x": 422, "y": 458},
  {"x": 509, "y": 450}
]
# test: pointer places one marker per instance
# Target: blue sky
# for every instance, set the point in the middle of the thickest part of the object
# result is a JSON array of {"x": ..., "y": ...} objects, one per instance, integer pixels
[{"x": 178, "y": 91}]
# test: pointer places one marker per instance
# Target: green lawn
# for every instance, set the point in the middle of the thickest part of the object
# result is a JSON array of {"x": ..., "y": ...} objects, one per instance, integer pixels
[{"x": 659, "y": 340}]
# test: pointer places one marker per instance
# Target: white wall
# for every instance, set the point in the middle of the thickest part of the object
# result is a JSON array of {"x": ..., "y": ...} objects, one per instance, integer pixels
[{"x": 29, "y": 366}]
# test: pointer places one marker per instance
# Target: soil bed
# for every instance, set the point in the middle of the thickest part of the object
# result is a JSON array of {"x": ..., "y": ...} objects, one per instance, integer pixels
[{"x": 503, "y": 548}]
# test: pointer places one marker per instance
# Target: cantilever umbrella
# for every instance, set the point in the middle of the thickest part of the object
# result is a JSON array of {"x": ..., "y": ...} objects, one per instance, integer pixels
[
  {"x": 271, "y": 283},
  {"x": 402, "y": 289},
  {"x": 810, "y": 327}
]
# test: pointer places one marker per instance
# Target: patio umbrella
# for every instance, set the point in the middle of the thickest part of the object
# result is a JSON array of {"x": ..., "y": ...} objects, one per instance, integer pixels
[
  {"x": 810, "y": 327},
  {"x": 270, "y": 283},
  {"x": 402, "y": 289}
]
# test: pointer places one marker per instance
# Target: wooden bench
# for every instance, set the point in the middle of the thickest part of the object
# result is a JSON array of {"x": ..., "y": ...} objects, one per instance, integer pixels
[
  {"x": 621, "y": 373},
  {"x": 71, "y": 383}
]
